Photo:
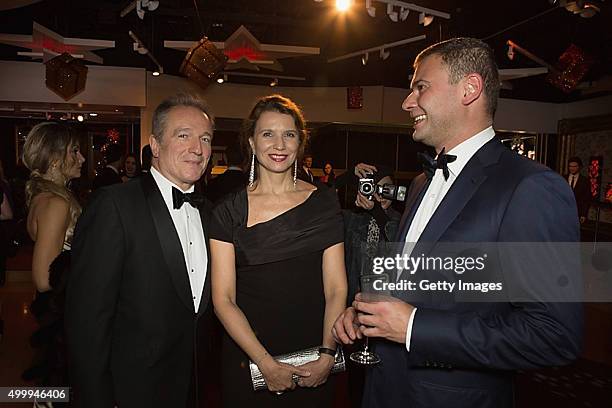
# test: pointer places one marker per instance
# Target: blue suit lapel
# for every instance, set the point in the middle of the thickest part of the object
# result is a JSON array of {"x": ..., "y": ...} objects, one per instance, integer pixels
[
  {"x": 462, "y": 190},
  {"x": 415, "y": 196}
]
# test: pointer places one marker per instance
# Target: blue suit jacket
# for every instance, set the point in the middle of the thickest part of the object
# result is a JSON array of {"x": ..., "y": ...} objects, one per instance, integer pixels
[{"x": 464, "y": 354}]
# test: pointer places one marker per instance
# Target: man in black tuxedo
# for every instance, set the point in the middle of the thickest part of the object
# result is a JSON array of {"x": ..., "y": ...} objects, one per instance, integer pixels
[
  {"x": 444, "y": 352},
  {"x": 139, "y": 284},
  {"x": 110, "y": 173},
  {"x": 580, "y": 187}
]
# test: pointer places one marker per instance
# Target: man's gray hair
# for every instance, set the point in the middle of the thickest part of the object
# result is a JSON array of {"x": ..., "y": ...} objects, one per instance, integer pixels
[{"x": 181, "y": 99}]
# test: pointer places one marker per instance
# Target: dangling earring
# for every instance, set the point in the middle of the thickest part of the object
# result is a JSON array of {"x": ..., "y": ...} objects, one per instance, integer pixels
[
  {"x": 295, "y": 170},
  {"x": 252, "y": 172}
]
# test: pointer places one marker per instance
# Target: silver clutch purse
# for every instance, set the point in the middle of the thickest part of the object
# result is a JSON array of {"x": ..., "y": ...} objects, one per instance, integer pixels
[{"x": 296, "y": 358}]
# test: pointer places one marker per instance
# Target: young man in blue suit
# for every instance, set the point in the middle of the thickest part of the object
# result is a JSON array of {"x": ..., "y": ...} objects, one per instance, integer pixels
[{"x": 441, "y": 354}]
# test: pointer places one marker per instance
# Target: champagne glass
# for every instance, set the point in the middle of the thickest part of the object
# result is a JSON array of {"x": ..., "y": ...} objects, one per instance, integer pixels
[{"x": 365, "y": 356}]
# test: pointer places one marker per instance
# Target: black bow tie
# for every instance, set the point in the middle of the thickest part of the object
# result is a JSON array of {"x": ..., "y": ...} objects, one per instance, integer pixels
[
  {"x": 430, "y": 165},
  {"x": 179, "y": 198}
]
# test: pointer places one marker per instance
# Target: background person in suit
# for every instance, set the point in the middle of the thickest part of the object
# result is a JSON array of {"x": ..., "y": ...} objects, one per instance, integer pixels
[
  {"x": 445, "y": 353},
  {"x": 580, "y": 187},
  {"x": 139, "y": 282},
  {"x": 110, "y": 173},
  {"x": 233, "y": 179},
  {"x": 305, "y": 171}
]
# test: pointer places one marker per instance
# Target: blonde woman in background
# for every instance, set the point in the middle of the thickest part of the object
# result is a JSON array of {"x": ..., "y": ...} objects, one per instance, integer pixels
[{"x": 52, "y": 154}]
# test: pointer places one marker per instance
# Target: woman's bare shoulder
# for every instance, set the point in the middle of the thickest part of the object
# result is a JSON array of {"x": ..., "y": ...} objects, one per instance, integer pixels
[{"x": 50, "y": 204}]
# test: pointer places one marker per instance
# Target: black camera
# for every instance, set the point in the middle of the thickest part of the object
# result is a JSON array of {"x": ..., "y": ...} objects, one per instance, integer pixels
[{"x": 368, "y": 187}]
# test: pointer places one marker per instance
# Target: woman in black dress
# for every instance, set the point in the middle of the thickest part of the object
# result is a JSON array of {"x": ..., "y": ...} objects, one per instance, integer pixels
[{"x": 278, "y": 277}]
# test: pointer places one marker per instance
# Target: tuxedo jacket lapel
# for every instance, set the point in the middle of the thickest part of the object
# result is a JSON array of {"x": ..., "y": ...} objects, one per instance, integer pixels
[
  {"x": 169, "y": 241},
  {"x": 415, "y": 196},
  {"x": 205, "y": 218}
]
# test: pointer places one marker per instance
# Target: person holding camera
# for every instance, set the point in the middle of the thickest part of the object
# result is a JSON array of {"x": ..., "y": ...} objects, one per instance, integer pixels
[
  {"x": 373, "y": 223},
  {"x": 366, "y": 230}
]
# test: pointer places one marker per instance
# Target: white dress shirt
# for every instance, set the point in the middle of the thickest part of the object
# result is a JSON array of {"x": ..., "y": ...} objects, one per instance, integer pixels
[
  {"x": 189, "y": 228},
  {"x": 437, "y": 191}
]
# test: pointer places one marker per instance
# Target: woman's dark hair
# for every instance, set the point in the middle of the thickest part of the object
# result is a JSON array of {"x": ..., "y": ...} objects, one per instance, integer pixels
[
  {"x": 135, "y": 157},
  {"x": 273, "y": 103}
]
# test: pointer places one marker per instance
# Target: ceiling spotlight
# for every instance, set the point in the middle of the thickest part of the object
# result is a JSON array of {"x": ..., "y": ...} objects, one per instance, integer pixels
[
  {"x": 155, "y": 73},
  {"x": 392, "y": 14},
  {"x": 510, "y": 53},
  {"x": 425, "y": 19},
  {"x": 93, "y": 114},
  {"x": 364, "y": 59},
  {"x": 585, "y": 8},
  {"x": 141, "y": 5},
  {"x": 404, "y": 13},
  {"x": 274, "y": 82},
  {"x": 384, "y": 54},
  {"x": 80, "y": 118},
  {"x": 371, "y": 10},
  {"x": 343, "y": 5}
]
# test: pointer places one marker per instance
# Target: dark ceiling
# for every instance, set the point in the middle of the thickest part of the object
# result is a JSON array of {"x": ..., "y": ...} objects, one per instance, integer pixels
[{"x": 543, "y": 28}]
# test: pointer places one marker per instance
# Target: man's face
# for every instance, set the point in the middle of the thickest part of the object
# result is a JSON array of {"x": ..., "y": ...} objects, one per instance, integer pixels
[
  {"x": 183, "y": 152},
  {"x": 573, "y": 168},
  {"x": 308, "y": 162},
  {"x": 433, "y": 102}
]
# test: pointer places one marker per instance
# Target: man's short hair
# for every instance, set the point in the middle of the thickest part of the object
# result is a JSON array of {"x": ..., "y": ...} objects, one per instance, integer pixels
[
  {"x": 181, "y": 99},
  {"x": 113, "y": 153},
  {"x": 233, "y": 154},
  {"x": 464, "y": 56},
  {"x": 575, "y": 159}
]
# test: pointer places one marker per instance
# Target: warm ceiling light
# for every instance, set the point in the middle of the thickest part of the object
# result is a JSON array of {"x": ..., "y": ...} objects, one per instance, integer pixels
[
  {"x": 364, "y": 59},
  {"x": 220, "y": 80},
  {"x": 155, "y": 73},
  {"x": 384, "y": 54},
  {"x": 343, "y": 5},
  {"x": 93, "y": 114},
  {"x": 425, "y": 19},
  {"x": 510, "y": 53},
  {"x": 274, "y": 82},
  {"x": 80, "y": 118},
  {"x": 392, "y": 14},
  {"x": 371, "y": 10}
]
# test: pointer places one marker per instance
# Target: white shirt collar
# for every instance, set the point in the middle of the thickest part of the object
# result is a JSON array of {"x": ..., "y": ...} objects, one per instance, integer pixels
[
  {"x": 466, "y": 149},
  {"x": 113, "y": 167},
  {"x": 165, "y": 186}
]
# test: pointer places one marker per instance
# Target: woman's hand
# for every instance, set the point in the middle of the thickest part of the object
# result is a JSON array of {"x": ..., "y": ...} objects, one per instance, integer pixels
[
  {"x": 279, "y": 376},
  {"x": 362, "y": 202},
  {"x": 319, "y": 371},
  {"x": 362, "y": 169}
]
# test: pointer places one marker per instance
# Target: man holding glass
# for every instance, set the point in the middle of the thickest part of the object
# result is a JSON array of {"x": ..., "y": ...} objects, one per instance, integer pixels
[{"x": 442, "y": 354}]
